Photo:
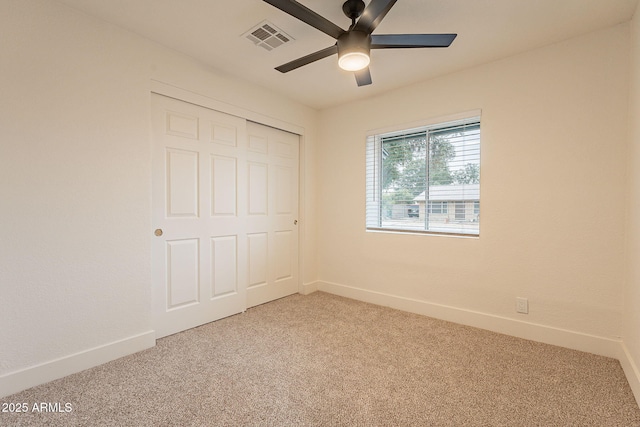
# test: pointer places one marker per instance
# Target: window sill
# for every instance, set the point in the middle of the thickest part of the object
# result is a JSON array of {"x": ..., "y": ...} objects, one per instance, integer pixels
[{"x": 422, "y": 232}]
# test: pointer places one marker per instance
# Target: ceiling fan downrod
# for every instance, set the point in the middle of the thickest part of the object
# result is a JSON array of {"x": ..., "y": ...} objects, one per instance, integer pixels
[{"x": 353, "y": 9}]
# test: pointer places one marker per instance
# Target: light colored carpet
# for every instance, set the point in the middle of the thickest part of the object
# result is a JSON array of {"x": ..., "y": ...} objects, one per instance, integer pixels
[{"x": 323, "y": 360}]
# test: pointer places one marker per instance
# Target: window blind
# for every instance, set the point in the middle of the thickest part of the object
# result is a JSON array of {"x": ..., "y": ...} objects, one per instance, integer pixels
[{"x": 425, "y": 179}]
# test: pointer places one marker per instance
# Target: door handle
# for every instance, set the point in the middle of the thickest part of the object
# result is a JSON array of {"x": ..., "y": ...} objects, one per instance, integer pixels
[
  {"x": 295, "y": 222},
  {"x": 158, "y": 232}
]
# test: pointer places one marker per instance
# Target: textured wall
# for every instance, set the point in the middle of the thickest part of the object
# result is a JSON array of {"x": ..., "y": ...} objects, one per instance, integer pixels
[{"x": 554, "y": 132}]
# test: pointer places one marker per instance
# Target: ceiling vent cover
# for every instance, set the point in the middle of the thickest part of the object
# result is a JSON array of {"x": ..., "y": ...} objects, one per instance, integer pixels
[{"x": 267, "y": 36}]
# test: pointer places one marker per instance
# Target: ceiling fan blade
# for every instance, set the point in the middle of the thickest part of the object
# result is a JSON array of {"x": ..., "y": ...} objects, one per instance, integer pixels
[
  {"x": 308, "y": 16},
  {"x": 397, "y": 41},
  {"x": 363, "y": 77},
  {"x": 297, "y": 63},
  {"x": 373, "y": 14}
]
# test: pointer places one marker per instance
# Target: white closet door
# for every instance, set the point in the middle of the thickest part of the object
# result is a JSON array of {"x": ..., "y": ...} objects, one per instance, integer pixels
[
  {"x": 199, "y": 249},
  {"x": 272, "y": 230}
]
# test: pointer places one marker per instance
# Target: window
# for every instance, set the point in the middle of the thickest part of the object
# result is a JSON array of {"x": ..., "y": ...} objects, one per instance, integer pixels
[
  {"x": 438, "y": 207},
  {"x": 425, "y": 179},
  {"x": 460, "y": 211}
]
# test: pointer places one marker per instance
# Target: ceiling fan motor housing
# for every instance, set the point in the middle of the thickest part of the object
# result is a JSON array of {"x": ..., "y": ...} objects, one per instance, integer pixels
[
  {"x": 351, "y": 45},
  {"x": 354, "y": 41}
]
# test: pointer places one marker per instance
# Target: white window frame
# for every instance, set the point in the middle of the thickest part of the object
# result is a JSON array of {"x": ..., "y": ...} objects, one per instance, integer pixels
[
  {"x": 374, "y": 171},
  {"x": 442, "y": 207}
]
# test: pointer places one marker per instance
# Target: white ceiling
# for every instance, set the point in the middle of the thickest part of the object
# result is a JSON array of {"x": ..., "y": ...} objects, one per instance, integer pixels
[{"x": 212, "y": 31}]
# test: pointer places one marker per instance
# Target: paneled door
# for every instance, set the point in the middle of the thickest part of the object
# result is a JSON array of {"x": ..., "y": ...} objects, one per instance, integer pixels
[
  {"x": 225, "y": 205},
  {"x": 272, "y": 220},
  {"x": 199, "y": 200}
]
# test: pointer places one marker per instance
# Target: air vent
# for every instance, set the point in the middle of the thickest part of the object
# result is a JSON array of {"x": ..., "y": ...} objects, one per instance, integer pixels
[{"x": 267, "y": 36}]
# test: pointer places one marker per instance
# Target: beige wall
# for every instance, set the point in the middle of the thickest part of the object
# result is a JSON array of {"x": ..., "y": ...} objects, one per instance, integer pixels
[
  {"x": 631, "y": 330},
  {"x": 554, "y": 132},
  {"x": 75, "y": 184}
]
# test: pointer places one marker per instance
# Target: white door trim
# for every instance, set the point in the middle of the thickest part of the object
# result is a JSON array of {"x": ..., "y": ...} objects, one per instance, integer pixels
[{"x": 171, "y": 91}]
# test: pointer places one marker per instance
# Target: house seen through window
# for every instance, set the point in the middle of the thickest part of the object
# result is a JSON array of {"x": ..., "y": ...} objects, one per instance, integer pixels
[{"x": 425, "y": 179}]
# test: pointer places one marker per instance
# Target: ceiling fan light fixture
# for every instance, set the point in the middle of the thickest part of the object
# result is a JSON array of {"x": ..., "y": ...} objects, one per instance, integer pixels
[
  {"x": 353, "y": 51},
  {"x": 353, "y": 61}
]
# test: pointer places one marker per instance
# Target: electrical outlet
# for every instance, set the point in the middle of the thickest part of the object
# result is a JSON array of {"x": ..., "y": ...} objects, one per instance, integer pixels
[{"x": 522, "y": 305}]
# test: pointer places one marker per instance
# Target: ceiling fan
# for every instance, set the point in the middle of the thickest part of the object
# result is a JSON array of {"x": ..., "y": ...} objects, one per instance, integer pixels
[{"x": 353, "y": 45}]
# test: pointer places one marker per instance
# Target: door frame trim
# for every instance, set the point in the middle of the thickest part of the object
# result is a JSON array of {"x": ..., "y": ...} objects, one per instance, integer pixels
[{"x": 185, "y": 95}]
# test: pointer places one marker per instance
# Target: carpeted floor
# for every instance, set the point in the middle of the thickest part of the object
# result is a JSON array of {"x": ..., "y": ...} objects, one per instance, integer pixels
[{"x": 323, "y": 360}]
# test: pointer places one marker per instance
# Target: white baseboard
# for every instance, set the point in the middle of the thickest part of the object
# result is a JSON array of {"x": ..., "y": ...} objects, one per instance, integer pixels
[
  {"x": 630, "y": 370},
  {"x": 308, "y": 288},
  {"x": 15, "y": 382},
  {"x": 531, "y": 331}
]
